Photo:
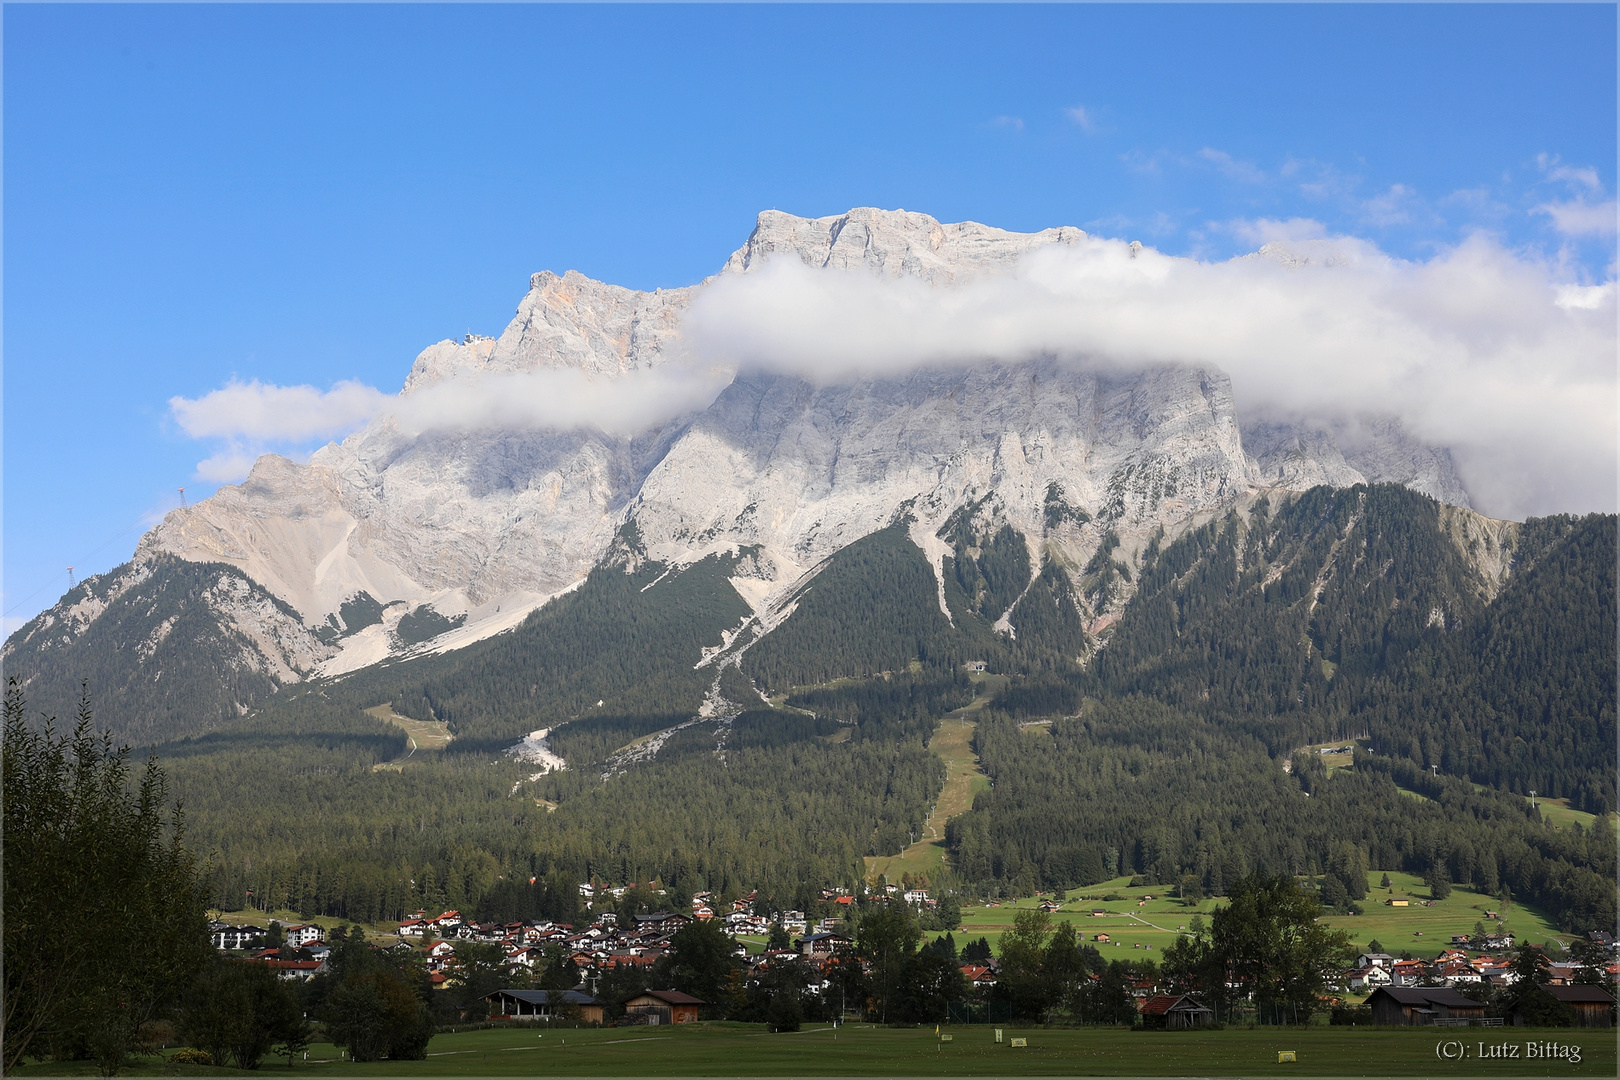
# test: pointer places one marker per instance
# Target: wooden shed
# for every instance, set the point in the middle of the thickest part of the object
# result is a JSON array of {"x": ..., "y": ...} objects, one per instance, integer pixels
[
  {"x": 662, "y": 1007},
  {"x": 1592, "y": 1005},
  {"x": 1404, "y": 1005},
  {"x": 1175, "y": 1012}
]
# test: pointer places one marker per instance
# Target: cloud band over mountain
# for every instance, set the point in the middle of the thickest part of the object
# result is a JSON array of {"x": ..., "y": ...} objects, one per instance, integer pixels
[{"x": 1490, "y": 352}]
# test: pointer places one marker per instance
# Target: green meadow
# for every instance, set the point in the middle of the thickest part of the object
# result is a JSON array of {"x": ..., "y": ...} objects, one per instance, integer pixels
[
  {"x": 724, "y": 1049},
  {"x": 1140, "y": 922}
]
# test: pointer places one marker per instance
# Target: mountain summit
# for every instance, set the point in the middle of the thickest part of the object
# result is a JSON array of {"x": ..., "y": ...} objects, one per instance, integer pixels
[{"x": 410, "y": 537}]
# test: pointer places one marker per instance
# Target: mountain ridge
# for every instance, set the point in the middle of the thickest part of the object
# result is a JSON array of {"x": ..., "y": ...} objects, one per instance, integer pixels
[{"x": 479, "y": 527}]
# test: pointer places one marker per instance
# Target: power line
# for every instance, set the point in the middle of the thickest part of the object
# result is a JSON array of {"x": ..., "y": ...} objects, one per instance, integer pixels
[{"x": 84, "y": 559}]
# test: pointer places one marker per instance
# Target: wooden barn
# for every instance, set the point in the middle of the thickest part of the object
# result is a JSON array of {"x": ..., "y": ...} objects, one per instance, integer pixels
[
  {"x": 662, "y": 1007},
  {"x": 1393, "y": 1006},
  {"x": 1175, "y": 1012},
  {"x": 1592, "y": 1005}
]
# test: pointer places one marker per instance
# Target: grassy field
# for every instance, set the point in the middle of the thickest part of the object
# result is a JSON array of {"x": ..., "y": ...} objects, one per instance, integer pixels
[
  {"x": 857, "y": 1050},
  {"x": 1137, "y": 925},
  {"x": 953, "y": 742},
  {"x": 425, "y": 735},
  {"x": 383, "y": 932},
  {"x": 1334, "y": 761},
  {"x": 1427, "y": 930},
  {"x": 1559, "y": 814}
]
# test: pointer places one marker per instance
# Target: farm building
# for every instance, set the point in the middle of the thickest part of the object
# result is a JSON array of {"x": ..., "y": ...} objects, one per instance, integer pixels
[
  {"x": 1393, "y": 1006},
  {"x": 543, "y": 1004},
  {"x": 662, "y": 1007},
  {"x": 1175, "y": 1012},
  {"x": 1592, "y": 1005}
]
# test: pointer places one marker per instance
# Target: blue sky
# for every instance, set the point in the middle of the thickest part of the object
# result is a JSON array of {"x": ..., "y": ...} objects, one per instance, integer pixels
[{"x": 302, "y": 194}]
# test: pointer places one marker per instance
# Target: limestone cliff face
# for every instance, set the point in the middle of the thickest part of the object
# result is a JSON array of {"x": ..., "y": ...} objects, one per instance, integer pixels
[{"x": 488, "y": 523}]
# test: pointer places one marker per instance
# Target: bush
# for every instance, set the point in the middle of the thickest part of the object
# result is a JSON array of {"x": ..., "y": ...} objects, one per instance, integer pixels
[{"x": 191, "y": 1056}]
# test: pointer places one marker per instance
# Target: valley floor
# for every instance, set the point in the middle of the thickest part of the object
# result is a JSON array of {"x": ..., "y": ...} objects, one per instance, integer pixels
[{"x": 727, "y": 1049}]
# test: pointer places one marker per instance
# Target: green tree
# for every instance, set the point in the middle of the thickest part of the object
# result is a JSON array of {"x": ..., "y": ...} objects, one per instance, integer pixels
[
  {"x": 977, "y": 952},
  {"x": 779, "y": 938},
  {"x": 1438, "y": 880},
  {"x": 886, "y": 939},
  {"x": 1023, "y": 977},
  {"x": 1594, "y": 961},
  {"x": 237, "y": 1010},
  {"x": 379, "y": 1014},
  {"x": 1527, "y": 994},
  {"x": 1264, "y": 946},
  {"x": 560, "y": 972},
  {"x": 700, "y": 961},
  {"x": 294, "y": 1037},
  {"x": 477, "y": 974},
  {"x": 105, "y": 909}
]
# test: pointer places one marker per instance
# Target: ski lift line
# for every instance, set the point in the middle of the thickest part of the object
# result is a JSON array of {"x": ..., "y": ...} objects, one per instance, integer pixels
[{"x": 81, "y": 561}]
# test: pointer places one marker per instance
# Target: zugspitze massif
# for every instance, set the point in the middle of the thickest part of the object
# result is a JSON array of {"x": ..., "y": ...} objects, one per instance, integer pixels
[{"x": 419, "y": 535}]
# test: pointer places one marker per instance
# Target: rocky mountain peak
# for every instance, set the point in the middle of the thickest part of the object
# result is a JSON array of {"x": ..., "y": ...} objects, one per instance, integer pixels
[
  {"x": 893, "y": 242},
  {"x": 478, "y": 527}
]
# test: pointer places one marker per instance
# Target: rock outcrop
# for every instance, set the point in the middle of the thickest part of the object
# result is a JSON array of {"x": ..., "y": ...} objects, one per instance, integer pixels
[{"x": 487, "y": 524}]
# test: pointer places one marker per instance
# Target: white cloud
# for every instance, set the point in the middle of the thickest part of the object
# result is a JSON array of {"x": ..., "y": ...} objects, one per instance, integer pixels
[
  {"x": 1082, "y": 118},
  {"x": 1477, "y": 349},
  {"x": 1577, "y": 217},
  {"x": 263, "y": 412},
  {"x": 1011, "y": 123},
  {"x": 1262, "y": 231},
  {"x": 1586, "y": 177},
  {"x": 252, "y": 417},
  {"x": 561, "y": 398},
  {"x": 227, "y": 466},
  {"x": 1231, "y": 168},
  {"x": 1584, "y": 214},
  {"x": 1397, "y": 206},
  {"x": 1502, "y": 356}
]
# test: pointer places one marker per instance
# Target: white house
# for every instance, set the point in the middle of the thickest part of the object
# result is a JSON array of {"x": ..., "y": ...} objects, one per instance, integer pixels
[
  {"x": 303, "y": 934},
  {"x": 236, "y": 938},
  {"x": 1370, "y": 978}
]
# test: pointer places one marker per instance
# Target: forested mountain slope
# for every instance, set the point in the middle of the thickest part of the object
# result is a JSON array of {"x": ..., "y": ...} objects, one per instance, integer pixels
[
  {"x": 627, "y": 641},
  {"x": 166, "y": 647},
  {"x": 1523, "y": 696},
  {"x": 1355, "y": 611},
  {"x": 1136, "y": 787},
  {"x": 1332, "y": 613}
]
